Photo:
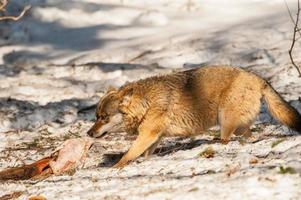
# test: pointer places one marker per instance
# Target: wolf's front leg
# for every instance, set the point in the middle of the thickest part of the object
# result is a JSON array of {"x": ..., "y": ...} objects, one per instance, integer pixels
[
  {"x": 141, "y": 144},
  {"x": 149, "y": 133},
  {"x": 151, "y": 149}
]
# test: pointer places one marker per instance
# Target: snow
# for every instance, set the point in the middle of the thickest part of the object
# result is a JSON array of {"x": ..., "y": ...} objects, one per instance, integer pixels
[{"x": 58, "y": 60}]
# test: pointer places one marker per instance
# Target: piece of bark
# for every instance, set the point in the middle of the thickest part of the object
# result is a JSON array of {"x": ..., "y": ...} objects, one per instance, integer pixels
[
  {"x": 25, "y": 172},
  {"x": 67, "y": 157},
  {"x": 11, "y": 196}
]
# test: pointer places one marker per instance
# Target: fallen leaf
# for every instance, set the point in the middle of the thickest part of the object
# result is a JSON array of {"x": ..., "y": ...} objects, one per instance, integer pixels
[
  {"x": 37, "y": 197},
  {"x": 209, "y": 152},
  {"x": 253, "y": 161},
  {"x": 276, "y": 142},
  {"x": 287, "y": 170},
  {"x": 232, "y": 170},
  {"x": 193, "y": 189}
]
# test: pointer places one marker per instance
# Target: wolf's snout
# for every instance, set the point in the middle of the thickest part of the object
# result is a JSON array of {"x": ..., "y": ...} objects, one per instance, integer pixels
[
  {"x": 100, "y": 129},
  {"x": 90, "y": 133},
  {"x": 96, "y": 133}
]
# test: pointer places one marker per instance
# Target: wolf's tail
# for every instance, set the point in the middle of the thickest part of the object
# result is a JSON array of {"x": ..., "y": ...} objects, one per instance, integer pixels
[{"x": 281, "y": 110}]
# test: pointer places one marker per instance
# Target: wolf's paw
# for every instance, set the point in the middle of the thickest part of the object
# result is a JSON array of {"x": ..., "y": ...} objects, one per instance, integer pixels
[
  {"x": 121, "y": 164},
  {"x": 223, "y": 141}
]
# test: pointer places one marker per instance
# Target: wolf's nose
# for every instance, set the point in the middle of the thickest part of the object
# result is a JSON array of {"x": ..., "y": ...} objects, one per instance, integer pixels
[{"x": 90, "y": 133}]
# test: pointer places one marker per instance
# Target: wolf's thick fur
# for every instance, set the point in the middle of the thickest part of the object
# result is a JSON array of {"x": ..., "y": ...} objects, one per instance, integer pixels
[{"x": 188, "y": 103}]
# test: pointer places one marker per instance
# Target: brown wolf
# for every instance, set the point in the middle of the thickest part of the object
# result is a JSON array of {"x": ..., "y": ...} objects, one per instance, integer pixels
[{"x": 188, "y": 103}]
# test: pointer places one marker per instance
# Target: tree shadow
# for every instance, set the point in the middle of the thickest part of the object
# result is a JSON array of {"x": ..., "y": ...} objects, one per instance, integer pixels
[
  {"x": 27, "y": 115},
  {"x": 34, "y": 30},
  {"x": 109, "y": 67},
  {"x": 61, "y": 37}
]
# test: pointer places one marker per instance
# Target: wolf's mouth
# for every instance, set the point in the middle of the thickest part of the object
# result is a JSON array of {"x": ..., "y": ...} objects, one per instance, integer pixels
[{"x": 104, "y": 134}]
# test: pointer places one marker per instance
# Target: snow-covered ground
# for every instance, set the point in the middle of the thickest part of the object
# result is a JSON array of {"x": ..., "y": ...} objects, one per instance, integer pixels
[{"x": 58, "y": 60}]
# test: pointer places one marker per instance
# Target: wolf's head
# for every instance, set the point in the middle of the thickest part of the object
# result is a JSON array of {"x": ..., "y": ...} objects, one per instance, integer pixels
[{"x": 108, "y": 115}]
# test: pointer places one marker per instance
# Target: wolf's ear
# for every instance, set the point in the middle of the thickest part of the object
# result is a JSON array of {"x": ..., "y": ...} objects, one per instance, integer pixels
[
  {"x": 111, "y": 89},
  {"x": 126, "y": 99}
]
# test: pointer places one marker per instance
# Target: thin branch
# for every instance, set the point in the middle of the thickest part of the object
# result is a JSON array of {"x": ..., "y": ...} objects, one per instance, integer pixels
[
  {"x": 289, "y": 12},
  {"x": 16, "y": 18},
  {"x": 296, "y": 30},
  {"x": 3, "y": 5},
  {"x": 291, "y": 16},
  {"x": 297, "y": 39},
  {"x": 299, "y": 31}
]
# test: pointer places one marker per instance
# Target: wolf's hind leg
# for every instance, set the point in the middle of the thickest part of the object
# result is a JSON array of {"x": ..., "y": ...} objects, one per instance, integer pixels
[
  {"x": 232, "y": 122},
  {"x": 244, "y": 131},
  {"x": 238, "y": 109},
  {"x": 226, "y": 132},
  {"x": 234, "y": 125}
]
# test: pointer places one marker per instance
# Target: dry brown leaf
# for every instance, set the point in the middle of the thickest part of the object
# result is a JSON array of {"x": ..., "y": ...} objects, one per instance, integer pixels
[
  {"x": 232, "y": 170},
  {"x": 253, "y": 161},
  {"x": 37, "y": 197},
  {"x": 209, "y": 152}
]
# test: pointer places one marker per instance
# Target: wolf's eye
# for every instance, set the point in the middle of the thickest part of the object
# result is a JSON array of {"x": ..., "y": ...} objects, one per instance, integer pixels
[
  {"x": 104, "y": 118},
  {"x": 121, "y": 110},
  {"x": 101, "y": 117}
]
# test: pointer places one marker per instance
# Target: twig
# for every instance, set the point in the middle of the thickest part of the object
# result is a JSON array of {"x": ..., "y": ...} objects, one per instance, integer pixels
[
  {"x": 16, "y": 18},
  {"x": 296, "y": 30},
  {"x": 291, "y": 16},
  {"x": 3, "y": 5}
]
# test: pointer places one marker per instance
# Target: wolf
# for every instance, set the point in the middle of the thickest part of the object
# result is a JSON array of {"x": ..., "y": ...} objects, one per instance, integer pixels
[{"x": 187, "y": 103}]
